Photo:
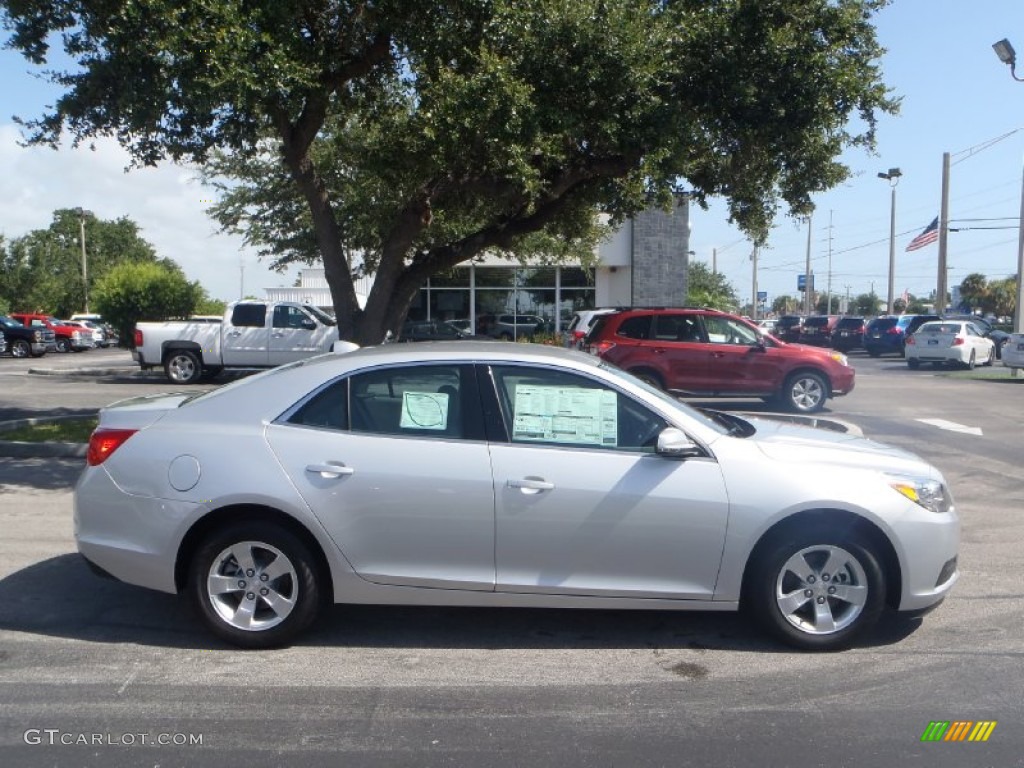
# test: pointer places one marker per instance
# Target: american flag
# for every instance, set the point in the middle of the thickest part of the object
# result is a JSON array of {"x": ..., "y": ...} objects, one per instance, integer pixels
[{"x": 927, "y": 237}]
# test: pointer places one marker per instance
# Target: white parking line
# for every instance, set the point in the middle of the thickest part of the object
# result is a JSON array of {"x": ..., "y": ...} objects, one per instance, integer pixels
[{"x": 952, "y": 426}]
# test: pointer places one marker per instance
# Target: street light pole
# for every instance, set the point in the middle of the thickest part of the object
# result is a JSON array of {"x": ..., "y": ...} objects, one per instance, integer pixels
[
  {"x": 893, "y": 177},
  {"x": 82, "y": 213}
]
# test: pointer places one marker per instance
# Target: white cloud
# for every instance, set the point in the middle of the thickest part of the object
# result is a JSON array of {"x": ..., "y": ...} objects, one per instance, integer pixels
[{"x": 165, "y": 202}]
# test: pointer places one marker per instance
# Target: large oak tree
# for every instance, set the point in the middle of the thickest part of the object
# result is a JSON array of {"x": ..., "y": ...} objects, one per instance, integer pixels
[{"x": 418, "y": 133}]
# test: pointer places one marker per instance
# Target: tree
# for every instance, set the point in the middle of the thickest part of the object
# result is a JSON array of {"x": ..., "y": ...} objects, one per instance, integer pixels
[
  {"x": 866, "y": 304},
  {"x": 974, "y": 291},
  {"x": 132, "y": 292},
  {"x": 709, "y": 289},
  {"x": 784, "y": 305},
  {"x": 43, "y": 269},
  {"x": 408, "y": 136}
]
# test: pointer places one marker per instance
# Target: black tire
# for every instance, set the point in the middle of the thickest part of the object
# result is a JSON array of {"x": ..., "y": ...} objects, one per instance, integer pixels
[
  {"x": 805, "y": 392},
  {"x": 991, "y": 357},
  {"x": 806, "y": 612},
  {"x": 63, "y": 345},
  {"x": 649, "y": 377},
  {"x": 182, "y": 366},
  {"x": 244, "y": 597},
  {"x": 20, "y": 348},
  {"x": 210, "y": 373},
  {"x": 913, "y": 363},
  {"x": 971, "y": 362}
]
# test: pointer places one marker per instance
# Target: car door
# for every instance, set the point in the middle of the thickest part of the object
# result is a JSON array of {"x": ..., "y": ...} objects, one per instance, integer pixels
[
  {"x": 739, "y": 361},
  {"x": 292, "y": 335},
  {"x": 245, "y": 340},
  {"x": 677, "y": 342},
  {"x": 583, "y": 504},
  {"x": 394, "y": 464}
]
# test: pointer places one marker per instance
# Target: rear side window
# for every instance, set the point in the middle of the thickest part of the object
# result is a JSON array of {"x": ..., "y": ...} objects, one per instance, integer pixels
[
  {"x": 249, "y": 315},
  {"x": 327, "y": 409},
  {"x": 636, "y": 327}
]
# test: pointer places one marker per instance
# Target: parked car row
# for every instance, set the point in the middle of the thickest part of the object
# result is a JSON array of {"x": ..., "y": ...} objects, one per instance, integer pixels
[{"x": 33, "y": 334}]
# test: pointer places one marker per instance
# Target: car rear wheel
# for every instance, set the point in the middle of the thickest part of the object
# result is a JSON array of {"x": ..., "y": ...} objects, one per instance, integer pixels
[
  {"x": 971, "y": 361},
  {"x": 991, "y": 356},
  {"x": 63, "y": 345},
  {"x": 183, "y": 367},
  {"x": 913, "y": 363},
  {"x": 805, "y": 392},
  {"x": 254, "y": 584},
  {"x": 817, "y": 589},
  {"x": 649, "y": 377}
]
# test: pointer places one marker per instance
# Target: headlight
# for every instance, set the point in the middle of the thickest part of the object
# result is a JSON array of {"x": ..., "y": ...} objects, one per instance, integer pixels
[
  {"x": 38, "y": 335},
  {"x": 930, "y": 494},
  {"x": 839, "y": 357}
]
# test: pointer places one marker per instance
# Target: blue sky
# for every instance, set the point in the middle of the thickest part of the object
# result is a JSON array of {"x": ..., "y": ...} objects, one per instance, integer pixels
[{"x": 956, "y": 96}]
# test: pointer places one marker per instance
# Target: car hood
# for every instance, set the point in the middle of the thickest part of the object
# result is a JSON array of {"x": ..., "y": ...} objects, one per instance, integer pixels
[{"x": 798, "y": 444}]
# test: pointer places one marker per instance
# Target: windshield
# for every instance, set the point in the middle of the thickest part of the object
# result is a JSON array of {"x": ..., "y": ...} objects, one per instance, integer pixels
[
  {"x": 720, "y": 426},
  {"x": 7, "y": 322}
]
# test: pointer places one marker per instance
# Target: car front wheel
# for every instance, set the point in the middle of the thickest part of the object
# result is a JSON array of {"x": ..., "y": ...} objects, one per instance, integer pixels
[
  {"x": 817, "y": 590},
  {"x": 63, "y": 345},
  {"x": 805, "y": 392},
  {"x": 254, "y": 585},
  {"x": 20, "y": 348}
]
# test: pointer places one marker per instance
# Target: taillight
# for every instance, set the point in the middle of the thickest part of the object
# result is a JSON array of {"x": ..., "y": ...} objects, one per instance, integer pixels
[
  {"x": 894, "y": 331},
  {"x": 103, "y": 443},
  {"x": 957, "y": 342},
  {"x": 578, "y": 335},
  {"x": 601, "y": 347},
  {"x": 910, "y": 341},
  {"x": 137, "y": 338}
]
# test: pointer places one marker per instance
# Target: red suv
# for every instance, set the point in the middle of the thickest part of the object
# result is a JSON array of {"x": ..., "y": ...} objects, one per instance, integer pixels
[{"x": 707, "y": 353}]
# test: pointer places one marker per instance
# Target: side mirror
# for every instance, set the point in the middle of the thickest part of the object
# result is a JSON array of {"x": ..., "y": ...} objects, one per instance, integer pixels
[
  {"x": 674, "y": 444},
  {"x": 309, "y": 325}
]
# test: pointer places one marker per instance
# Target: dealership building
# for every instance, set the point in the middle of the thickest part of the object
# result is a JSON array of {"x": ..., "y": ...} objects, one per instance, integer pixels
[{"x": 643, "y": 263}]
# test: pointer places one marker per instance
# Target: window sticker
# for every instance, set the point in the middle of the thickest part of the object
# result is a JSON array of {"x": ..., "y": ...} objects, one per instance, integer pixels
[
  {"x": 424, "y": 410},
  {"x": 566, "y": 415}
]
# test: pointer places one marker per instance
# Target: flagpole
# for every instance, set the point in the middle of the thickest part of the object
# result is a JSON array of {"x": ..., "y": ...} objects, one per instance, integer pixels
[{"x": 940, "y": 286}]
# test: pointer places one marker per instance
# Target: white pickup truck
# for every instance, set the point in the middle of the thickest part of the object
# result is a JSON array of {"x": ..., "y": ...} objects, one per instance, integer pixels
[{"x": 252, "y": 334}]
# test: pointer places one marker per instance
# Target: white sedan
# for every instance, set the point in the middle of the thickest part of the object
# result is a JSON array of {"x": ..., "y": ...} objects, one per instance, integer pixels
[
  {"x": 1013, "y": 351},
  {"x": 949, "y": 342}
]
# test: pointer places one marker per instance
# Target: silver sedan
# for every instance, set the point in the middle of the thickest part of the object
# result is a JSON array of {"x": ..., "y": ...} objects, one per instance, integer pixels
[{"x": 477, "y": 474}]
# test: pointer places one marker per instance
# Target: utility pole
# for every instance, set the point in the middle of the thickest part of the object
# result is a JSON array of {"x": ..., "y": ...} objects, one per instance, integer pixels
[
  {"x": 714, "y": 261},
  {"x": 940, "y": 288},
  {"x": 753, "y": 258},
  {"x": 808, "y": 277},
  {"x": 828, "y": 282}
]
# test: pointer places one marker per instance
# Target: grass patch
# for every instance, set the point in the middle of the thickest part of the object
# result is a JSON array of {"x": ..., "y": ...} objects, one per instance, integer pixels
[{"x": 64, "y": 431}]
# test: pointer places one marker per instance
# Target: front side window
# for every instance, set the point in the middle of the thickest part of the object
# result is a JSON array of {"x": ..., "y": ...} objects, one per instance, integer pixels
[
  {"x": 725, "y": 330},
  {"x": 289, "y": 317},
  {"x": 420, "y": 401},
  {"x": 546, "y": 406}
]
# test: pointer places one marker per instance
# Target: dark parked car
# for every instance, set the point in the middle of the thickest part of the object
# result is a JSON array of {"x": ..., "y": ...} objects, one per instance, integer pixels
[
  {"x": 704, "y": 352},
  {"x": 434, "y": 330},
  {"x": 849, "y": 333},
  {"x": 817, "y": 330},
  {"x": 23, "y": 341},
  {"x": 788, "y": 328},
  {"x": 888, "y": 334}
]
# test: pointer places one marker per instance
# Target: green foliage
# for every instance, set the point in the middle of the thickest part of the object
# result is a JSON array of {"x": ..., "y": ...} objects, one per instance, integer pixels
[
  {"x": 419, "y": 134},
  {"x": 710, "y": 289},
  {"x": 998, "y": 296},
  {"x": 42, "y": 270},
  {"x": 208, "y": 306},
  {"x": 130, "y": 293},
  {"x": 866, "y": 304}
]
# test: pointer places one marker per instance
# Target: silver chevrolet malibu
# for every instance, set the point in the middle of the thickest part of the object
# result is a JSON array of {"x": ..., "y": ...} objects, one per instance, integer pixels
[{"x": 481, "y": 474}]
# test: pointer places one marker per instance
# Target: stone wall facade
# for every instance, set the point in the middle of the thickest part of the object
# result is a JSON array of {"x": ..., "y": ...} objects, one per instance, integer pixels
[{"x": 660, "y": 247}]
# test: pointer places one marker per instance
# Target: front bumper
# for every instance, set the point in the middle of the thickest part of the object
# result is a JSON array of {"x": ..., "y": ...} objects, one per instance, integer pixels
[{"x": 930, "y": 545}]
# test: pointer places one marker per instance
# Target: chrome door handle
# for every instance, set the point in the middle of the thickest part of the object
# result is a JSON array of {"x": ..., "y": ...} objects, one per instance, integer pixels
[
  {"x": 534, "y": 484},
  {"x": 234, "y": 333},
  {"x": 330, "y": 470}
]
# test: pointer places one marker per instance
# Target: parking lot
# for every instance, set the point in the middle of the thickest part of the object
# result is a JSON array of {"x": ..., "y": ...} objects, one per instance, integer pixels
[{"x": 93, "y": 672}]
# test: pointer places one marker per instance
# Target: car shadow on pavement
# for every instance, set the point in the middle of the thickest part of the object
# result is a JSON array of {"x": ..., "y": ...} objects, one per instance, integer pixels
[
  {"x": 40, "y": 473},
  {"x": 61, "y": 597}
]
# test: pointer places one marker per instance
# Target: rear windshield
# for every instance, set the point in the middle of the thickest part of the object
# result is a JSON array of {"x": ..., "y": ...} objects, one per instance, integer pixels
[
  {"x": 816, "y": 322},
  {"x": 850, "y": 322},
  {"x": 788, "y": 322},
  {"x": 883, "y": 323},
  {"x": 939, "y": 328}
]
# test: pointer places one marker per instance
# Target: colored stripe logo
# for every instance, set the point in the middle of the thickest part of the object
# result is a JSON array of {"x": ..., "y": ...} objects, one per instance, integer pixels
[{"x": 959, "y": 730}]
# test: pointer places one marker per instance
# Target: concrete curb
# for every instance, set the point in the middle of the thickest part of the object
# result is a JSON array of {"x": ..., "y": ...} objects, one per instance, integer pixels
[
  {"x": 88, "y": 372},
  {"x": 22, "y": 450}
]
